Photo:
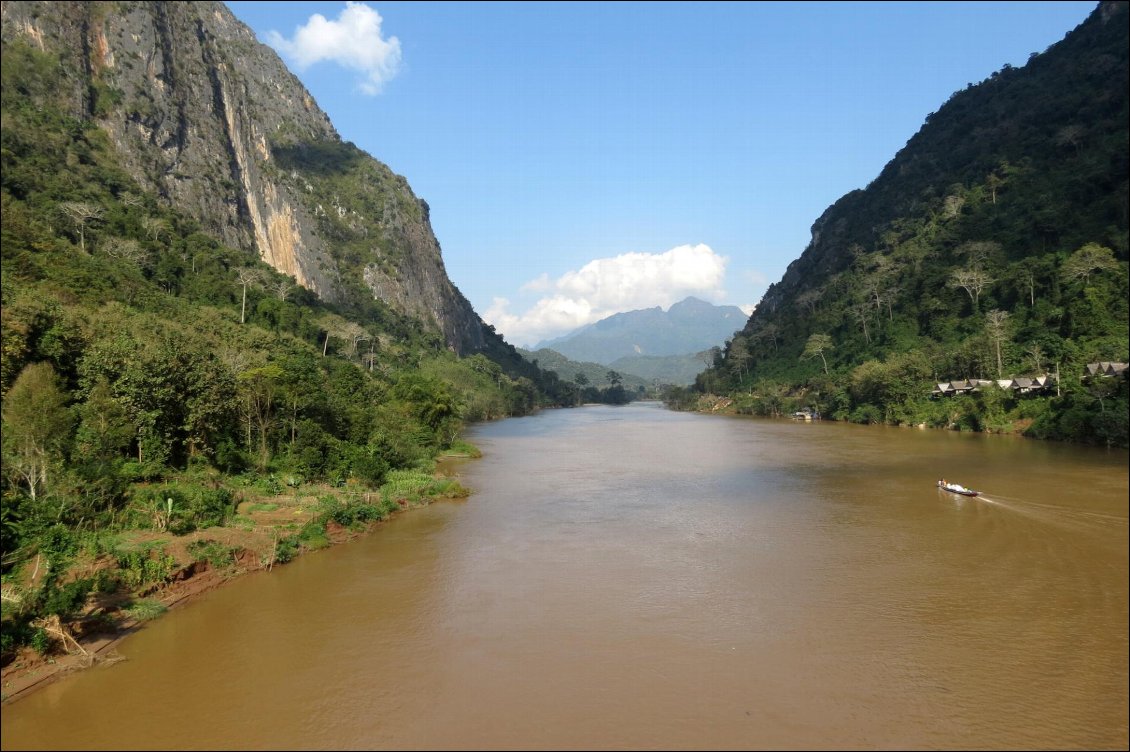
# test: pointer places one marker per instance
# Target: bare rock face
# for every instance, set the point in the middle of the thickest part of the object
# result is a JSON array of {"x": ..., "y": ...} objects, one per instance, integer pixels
[{"x": 210, "y": 120}]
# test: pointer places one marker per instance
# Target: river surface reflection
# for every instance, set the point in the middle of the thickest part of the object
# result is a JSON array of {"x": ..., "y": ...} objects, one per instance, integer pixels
[{"x": 630, "y": 577}]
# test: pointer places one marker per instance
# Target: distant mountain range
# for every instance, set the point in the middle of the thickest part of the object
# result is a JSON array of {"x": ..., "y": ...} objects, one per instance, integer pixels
[{"x": 687, "y": 327}]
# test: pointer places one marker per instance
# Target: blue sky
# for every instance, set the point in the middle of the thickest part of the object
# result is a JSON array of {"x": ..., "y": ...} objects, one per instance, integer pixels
[{"x": 582, "y": 159}]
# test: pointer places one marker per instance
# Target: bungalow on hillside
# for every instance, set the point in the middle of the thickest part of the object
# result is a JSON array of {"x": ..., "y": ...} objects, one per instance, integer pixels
[
  {"x": 1105, "y": 368},
  {"x": 1021, "y": 385}
]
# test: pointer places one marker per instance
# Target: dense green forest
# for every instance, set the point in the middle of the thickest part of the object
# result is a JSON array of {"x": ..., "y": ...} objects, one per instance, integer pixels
[
  {"x": 993, "y": 246},
  {"x": 152, "y": 376}
]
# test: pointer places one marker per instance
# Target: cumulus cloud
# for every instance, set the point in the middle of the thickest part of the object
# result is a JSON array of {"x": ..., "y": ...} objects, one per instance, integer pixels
[
  {"x": 611, "y": 285},
  {"x": 353, "y": 41}
]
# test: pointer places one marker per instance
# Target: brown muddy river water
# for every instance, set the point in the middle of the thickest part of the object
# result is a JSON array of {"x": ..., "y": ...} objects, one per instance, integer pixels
[{"x": 633, "y": 578}]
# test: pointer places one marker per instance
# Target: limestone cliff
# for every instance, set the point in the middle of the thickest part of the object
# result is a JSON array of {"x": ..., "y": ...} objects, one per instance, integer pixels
[{"x": 211, "y": 121}]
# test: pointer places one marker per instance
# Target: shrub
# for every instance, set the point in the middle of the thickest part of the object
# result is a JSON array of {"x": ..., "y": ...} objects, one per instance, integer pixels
[
  {"x": 41, "y": 641},
  {"x": 65, "y": 600},
  {"x": 369, "y": 512},
  {"x": 215, "y": 553},
  {"x": 144, "y": 566},
  {"x": 866, "y": 414},
  {"x": 144, "y": 609},
  {"x": 286, "y": 549}
]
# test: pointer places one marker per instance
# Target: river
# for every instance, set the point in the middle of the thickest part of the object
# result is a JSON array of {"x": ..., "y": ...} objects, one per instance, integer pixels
[{"x": 630, "y": 577}]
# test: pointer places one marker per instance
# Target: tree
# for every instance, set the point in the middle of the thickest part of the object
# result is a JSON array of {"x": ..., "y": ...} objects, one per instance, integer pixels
[
  {"x": 581, "y": 380},
  {"x": 283, "y": 288},
  {"x": 81, "y": 214},
  {"x": 711, "y": 357},
  {"x": 155, "y": 227},
  {"x": 809, "y": 299},
  {"x": 973, "y": 281},
  {"x": 131, "y": 199},
  {"x": 996, "y": 327},
  {"x": 247, "y": 276},
  {"x": 739, "y": 354},
  {"x": 106, "y": 430},
  {"x": 354, "y": 334},
  {"x": 36, "y": 423},
  {"x": 862, "y": 311},
  {"x": 1087, "y": 260},
  {"x": 772, "y": 395},
  {"x": 258, "y": 389},
  {"x": 1070, "y": 135},
  {"x": 979, "y": 252},
  {"x": 768, "y": 332},
  {"x": 127, "y": 249},
  {"x": 1037, "y": 353},
  {"x": 994, "y": 181},
  {"x": 614, "y": 378},
  {"x": 817, "y": 344}
]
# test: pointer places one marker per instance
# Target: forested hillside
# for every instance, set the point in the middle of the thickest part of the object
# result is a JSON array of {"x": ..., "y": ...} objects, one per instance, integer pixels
[
  {"x": 160, "y": 371},
  {"x": 993, "y": 246},
  {"x": 593, "y": 382}
]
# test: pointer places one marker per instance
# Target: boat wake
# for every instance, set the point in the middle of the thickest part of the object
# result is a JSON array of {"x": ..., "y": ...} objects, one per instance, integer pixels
[{"x": 1055, "y": 514}]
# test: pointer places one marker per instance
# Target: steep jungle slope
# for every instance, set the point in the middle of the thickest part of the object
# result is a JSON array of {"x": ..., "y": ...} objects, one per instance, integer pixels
[
  {"x": 210, "y": 308},
  {"x": 206, "y": 119},
  {"x": 993, "y": 245}
]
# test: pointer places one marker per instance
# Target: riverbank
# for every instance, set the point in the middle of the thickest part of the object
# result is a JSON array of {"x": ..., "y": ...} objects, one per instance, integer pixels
[
  {"x": 303, "y": 522},
  {"x": 1032, "y": 418}
]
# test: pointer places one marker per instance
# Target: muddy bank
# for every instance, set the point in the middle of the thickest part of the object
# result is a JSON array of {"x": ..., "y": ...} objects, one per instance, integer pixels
[{"x": 105, "y": 621}]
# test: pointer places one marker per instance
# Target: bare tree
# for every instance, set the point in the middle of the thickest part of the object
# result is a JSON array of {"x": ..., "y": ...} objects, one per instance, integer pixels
[
  {"x": 708, "y": 357},
  {"x": 768, "y": 332},
  {"x": 979, "y": 252},
  {"x": 739, "y": 354},
  {"x": 283, "y": 288},
  {"x": 953, "y": 204},
  {"x": 997, "y": 178},
  {"x": 155, "y": 227},
  {"x": 888, "y": 298},
  {"x": 131, "y": 199},
  {"x": 1070, "y": 135},
  {"x": 973, "y": 281},
  {"x": 81, "y": 214},
  {"x": 994, "y": 181},
  {"x": 861, "y": 311},
  {"x": 1027, "y": 275},
  {"x": 246, "y": 277},
  {"x": 996, "y": 327},
  {"x": 354, "y": 334},
  {"x": 817, "y": 344},
  {"x": 341, "y": 329},
  {"x": 236, "y": 361},
  {"x": 1037, "y": 354},
  {"x": 126, "y": 249},
  {"x": 809, "y": 298},
  {"x": 1087, "y": 260}
]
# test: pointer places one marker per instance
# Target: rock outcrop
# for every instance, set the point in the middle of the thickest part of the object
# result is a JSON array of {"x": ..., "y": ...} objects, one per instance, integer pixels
[{"x": 211, "y": 121}]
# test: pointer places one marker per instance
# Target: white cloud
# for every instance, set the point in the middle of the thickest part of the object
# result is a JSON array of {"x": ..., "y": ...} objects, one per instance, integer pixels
[
  {"x": 541, "y": 284},
  {"x": 611, "y": 285},
  {"x": 353, "y": 41},
  {"x": 747, "y": 309}
]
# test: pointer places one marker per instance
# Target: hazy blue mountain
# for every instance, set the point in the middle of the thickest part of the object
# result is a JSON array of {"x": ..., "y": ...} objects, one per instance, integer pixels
[{"x": 687, "y": 327}]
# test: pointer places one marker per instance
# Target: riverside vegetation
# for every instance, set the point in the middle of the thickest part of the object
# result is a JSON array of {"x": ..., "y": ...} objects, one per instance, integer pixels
[
  {"x": 994, "y": 245},
  {"x": 172, "y": 405}
]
